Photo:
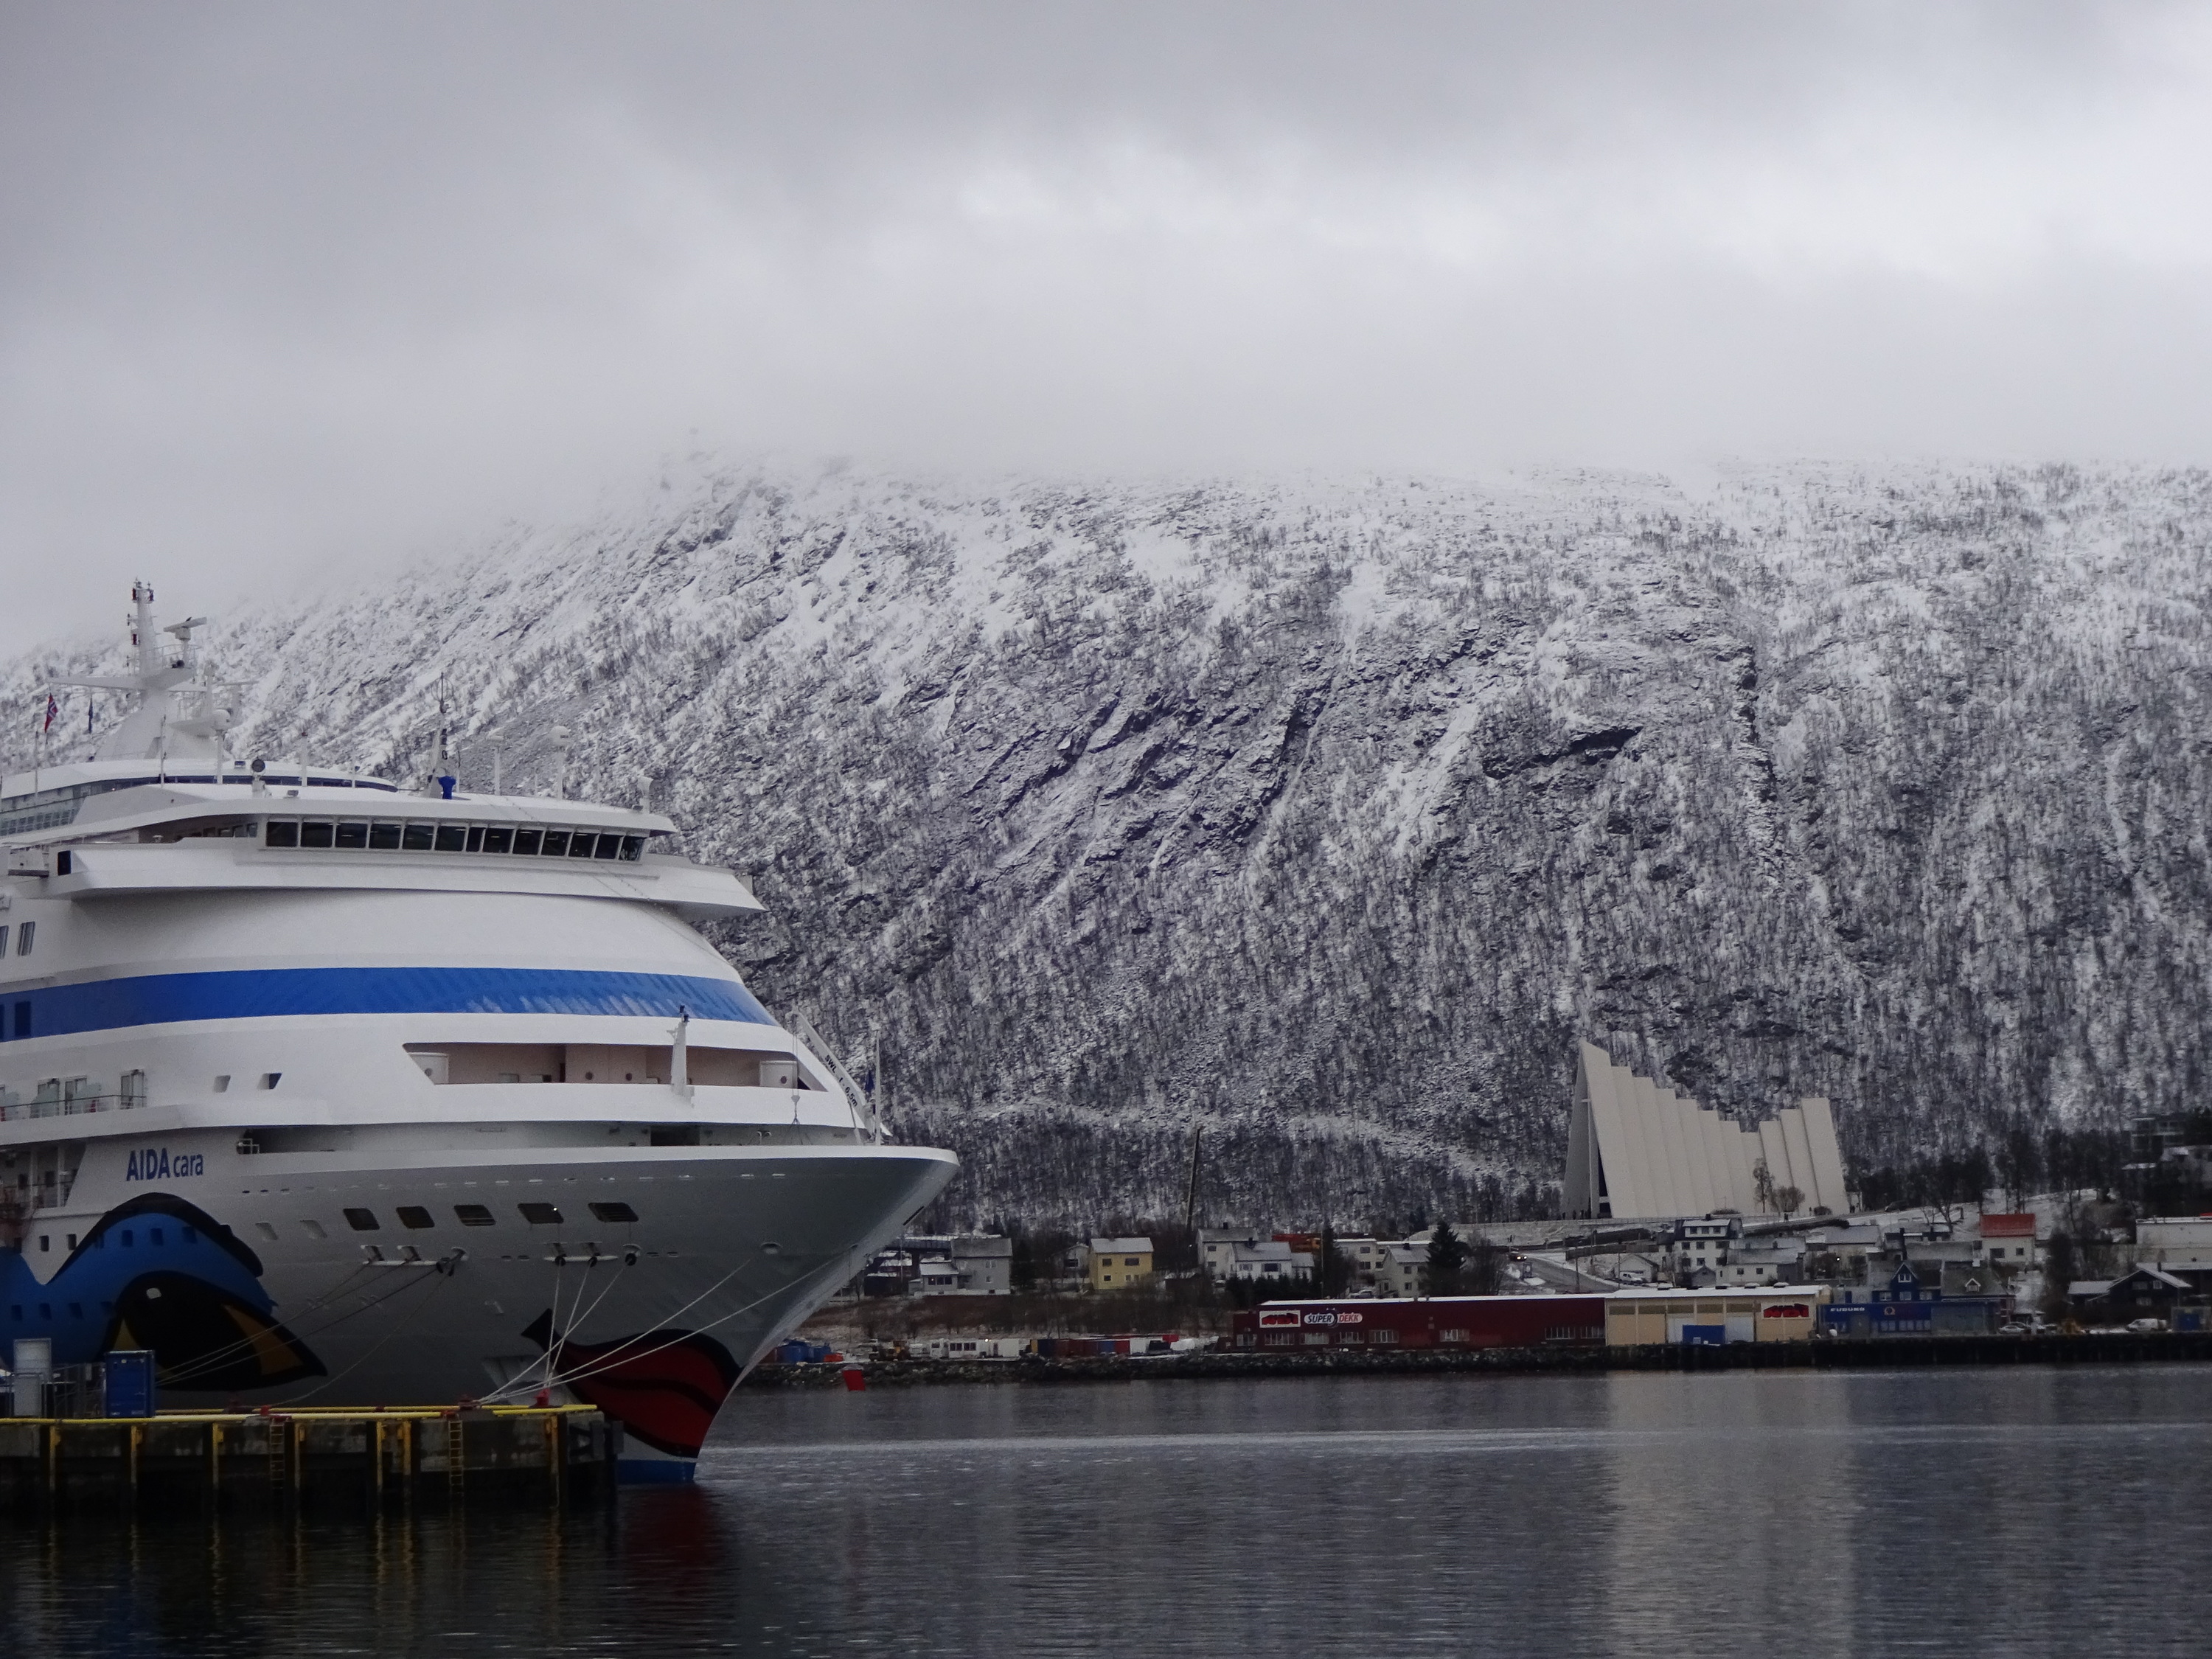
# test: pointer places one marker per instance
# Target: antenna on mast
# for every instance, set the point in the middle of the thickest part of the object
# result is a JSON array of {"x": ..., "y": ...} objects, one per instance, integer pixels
[{"x": 441, "y": 782}]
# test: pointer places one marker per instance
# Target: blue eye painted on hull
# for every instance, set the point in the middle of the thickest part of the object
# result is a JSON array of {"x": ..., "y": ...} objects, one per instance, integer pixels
[{"x": 201, "y": 1309}]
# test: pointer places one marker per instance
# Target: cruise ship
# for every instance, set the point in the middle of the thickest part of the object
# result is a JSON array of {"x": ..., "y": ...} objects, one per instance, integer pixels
[{"x": 332, "y": 1091}]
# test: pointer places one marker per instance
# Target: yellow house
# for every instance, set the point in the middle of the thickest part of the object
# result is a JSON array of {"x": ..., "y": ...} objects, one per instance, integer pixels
[{"x": 1118, "y": 1263}]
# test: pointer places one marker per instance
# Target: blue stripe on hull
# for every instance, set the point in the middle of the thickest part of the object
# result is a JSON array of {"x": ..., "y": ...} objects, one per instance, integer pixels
[{"x": 109, "y": 1004}]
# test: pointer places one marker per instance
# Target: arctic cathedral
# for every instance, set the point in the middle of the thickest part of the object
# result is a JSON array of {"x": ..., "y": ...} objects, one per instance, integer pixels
[{"x": 1634, "y": 1149}]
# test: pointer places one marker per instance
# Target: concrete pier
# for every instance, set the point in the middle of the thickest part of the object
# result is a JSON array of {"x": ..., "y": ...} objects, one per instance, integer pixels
[{"x": 441, "y": 1455}]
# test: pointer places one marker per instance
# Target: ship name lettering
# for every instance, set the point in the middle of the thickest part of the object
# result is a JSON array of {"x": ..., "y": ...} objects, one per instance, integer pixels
[{"x": 159, "y": 1163}]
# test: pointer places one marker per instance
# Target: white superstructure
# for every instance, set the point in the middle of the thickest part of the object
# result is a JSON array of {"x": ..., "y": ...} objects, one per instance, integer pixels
[{"x": 329, "y": 1091}]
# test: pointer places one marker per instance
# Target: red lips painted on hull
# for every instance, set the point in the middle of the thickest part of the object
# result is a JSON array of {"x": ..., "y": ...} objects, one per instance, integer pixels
[{"x": 665, "y": 1387}]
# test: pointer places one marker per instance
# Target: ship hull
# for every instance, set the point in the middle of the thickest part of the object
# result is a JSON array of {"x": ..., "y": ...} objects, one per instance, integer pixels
[{"x": 296, "y": 1279}]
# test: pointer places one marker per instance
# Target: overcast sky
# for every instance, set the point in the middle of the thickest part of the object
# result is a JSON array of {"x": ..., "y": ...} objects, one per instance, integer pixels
[{"x": 285, "y": 290}]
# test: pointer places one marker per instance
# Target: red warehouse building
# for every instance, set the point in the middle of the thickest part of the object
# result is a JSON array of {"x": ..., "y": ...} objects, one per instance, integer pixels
[{"x": 1441, "y": 1321}]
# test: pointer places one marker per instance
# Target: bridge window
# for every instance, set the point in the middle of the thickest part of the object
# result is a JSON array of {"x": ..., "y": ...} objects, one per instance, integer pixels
[
  {"x": 452, "y": 837},
  {"x": 23, "y": 937},
  {"x": 613, "y": 1211},
  {"x": 498, "y": 838},
  {"x": 280, "y": 832},
  {"x": 525, "y": 844},
  {"x": 555, "y": 846},
  {"x": 414, "y": 1216},
  {"x": 417, "y": 837},
  {"x": 315, "y": 834},
  {"x": 541, "y": 1215},
  {"x": 362, "y": 1221},
  {"x": 352, "y": 835},
  {"x": 472, "y": 1215}
]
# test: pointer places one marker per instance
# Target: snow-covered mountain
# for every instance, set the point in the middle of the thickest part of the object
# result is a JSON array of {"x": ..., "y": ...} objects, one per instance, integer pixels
[{"x": 1326, "y": 814}]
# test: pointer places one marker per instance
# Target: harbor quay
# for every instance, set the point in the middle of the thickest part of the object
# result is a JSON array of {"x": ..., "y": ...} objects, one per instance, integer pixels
[
  {"x": 1772, "y": 1327},
  {"x": 1826, "y": 1353},
  {"x": 449, "y": 1454}
]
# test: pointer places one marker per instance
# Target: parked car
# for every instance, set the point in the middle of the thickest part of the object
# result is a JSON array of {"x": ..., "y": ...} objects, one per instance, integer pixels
[
  {"x": 1632, "y": 1276},
  {"x": 2143, "y": 1326},
  {"x": 2026, "y": 1325}
]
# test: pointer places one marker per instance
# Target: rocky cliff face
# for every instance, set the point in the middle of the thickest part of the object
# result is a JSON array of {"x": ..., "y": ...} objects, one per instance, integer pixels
[{"x": 1325, "y": 816}]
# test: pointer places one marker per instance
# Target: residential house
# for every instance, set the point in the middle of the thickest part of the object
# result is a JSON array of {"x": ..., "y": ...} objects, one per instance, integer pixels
[
  {"x": 2145, "y": 1293},
  {"x": 1840, "y": 1251},
  {"x": 1363, "y": 1256},
  {"x": 2009, "y": 1239},
  {"x": 1774, "y": 1258},
  {"x": 1701, "y": 1248},
  {"x": 934, "y": 1276},
  {"x": 985, "y": 1264},
  {"x": 1266, "y": 1260},
  {"x": 967, "y": 1264},
  {"x": 1217, "y": 1248},
  {"x": 1404, "y": 1270},
  {"x": 1116, "y": 1264}
]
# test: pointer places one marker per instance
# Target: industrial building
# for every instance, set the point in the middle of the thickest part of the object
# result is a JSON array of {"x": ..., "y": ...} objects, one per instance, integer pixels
[
  {"x": 1782, "y": 1313},
  {"x": 1442, "y": 1321},
  {"x": 1637, "y": 1150}
]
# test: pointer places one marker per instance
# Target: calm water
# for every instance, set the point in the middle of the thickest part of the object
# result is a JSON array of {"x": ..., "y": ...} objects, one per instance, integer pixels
[{"x": 1999, "y": 1512}]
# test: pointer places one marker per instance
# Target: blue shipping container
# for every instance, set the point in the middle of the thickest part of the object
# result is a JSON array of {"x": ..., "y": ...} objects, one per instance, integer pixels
[{"x": 128, "y": 1376}]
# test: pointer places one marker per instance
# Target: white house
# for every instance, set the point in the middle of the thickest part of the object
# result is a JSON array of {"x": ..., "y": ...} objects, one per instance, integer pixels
[
  {"x": 1268, "y": 1258},
  {"x": 1403, "y": 1270}
]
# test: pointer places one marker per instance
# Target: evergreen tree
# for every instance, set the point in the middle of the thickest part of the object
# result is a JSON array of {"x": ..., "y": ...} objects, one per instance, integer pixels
[
  {"x": 1331, "y": 1271},
  {"x": 1447, "y": 1255}
]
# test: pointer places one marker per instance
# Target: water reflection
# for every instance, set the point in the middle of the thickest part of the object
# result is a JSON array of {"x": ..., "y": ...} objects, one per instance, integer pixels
[{"x": 2016, "y": 1512}]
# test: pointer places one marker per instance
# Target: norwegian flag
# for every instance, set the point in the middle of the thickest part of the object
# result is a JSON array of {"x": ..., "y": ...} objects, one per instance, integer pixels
[{"x": 53, "y": 709}]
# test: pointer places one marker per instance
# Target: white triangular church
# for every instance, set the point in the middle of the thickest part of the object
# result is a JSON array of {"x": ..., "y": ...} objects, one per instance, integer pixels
[{"x": 1634, "y": 1149}]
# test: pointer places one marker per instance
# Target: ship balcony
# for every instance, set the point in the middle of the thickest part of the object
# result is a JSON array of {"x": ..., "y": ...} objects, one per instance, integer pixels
[{"x": 72, "y": 1097}]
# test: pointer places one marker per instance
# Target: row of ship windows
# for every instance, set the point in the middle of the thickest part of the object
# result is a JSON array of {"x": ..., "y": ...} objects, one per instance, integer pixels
[
  {"x": 24, "y": 934},
  {"x": 125, "y": 1238},
  {"x": 414, "y": 1216},
  {"x": 453, "y": 838}
]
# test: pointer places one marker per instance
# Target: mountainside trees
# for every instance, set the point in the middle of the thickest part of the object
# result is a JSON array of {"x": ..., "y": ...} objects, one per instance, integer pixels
[{"x": 1329, "y": 815}]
